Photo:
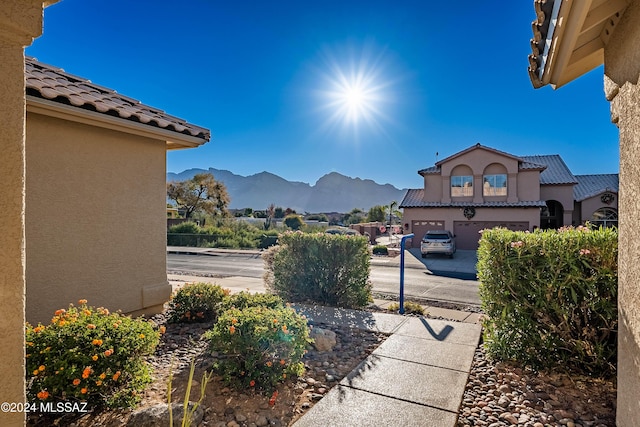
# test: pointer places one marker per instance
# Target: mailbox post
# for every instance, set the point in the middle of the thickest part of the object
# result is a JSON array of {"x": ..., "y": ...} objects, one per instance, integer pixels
[{"x": 402, "y": 243}]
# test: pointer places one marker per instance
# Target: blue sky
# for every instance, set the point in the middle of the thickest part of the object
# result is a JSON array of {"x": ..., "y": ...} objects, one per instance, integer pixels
[{"x": 270, "y": 79}]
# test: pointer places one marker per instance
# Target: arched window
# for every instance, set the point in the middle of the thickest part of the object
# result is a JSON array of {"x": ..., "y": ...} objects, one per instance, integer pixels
[
  {"x": 606, "y": 217},
  {"x": 461, "y": 181},
  {"x": 494, "y": 180}
]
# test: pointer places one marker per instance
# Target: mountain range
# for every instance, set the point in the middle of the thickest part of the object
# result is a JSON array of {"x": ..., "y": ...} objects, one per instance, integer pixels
[{"x": 333, "y": 192}]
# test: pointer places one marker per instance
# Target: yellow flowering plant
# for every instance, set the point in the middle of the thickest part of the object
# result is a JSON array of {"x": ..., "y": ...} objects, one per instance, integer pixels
[
  {"x": 89, "y": 354},
  {"x": 262, "y": 346}
]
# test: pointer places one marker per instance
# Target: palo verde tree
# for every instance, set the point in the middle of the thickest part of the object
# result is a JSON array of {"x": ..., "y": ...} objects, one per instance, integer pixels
[{"x": 202, "y": 193}]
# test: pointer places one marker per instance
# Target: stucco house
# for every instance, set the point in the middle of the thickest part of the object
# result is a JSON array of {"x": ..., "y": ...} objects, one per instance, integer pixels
[
  {"x": 95, "y": 221},
  {"x": 83, "y": 174},
  {"x": 571, "y": 38},
  {"x": 481, "y": 187}
]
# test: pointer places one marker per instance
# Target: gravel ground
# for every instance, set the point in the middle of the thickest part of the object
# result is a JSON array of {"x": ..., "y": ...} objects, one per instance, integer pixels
[{"x": 502, "y": 394}]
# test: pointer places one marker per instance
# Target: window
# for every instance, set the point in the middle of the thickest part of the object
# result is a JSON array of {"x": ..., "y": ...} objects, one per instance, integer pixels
[
  {"x": 606, "y": 217},
  {"x": 495, "y": 185},
  {"x": 461, "y": 186}
]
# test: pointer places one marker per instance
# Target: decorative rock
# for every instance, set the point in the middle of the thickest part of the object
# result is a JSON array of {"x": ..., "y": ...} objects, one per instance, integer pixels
[
  {"x": 324, "y": 339},
  {"x": 261, "y": 421},
  {"x": 158, "y": 415}
]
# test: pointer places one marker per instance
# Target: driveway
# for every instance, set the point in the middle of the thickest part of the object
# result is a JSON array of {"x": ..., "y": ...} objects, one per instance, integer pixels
[{"x": 461, "y": 266}]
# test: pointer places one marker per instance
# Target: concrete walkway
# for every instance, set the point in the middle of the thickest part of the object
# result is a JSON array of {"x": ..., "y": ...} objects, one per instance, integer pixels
[{"x": 415, "y": 378}]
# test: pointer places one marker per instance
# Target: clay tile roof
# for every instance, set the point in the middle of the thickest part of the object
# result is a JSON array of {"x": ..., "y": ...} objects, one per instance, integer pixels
[
  {"x": 592, "y": 185},
  {"x": 414, "y": 199},
  {"x": 429, "y": 171},
  {"x": 556, "y": 172},
  {"x": 47, "y": 82},
  {"x": 540, "y": 27}
]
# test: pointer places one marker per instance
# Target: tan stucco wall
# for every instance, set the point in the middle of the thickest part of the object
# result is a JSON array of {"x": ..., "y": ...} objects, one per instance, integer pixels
[
  {"x": 95, "y": 218},
  {"x": 20, "y": 22},
  {"x": 529, "y": 185},
  {"x": 622, "y": 72},
  {"x": 562, "y": 194},
  {"x": 592, "y": 204}
]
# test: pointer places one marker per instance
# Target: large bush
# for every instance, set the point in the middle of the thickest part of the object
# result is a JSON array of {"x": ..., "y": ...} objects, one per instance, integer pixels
[
  {"x": 91, "y": 355},
  {"x": 261, "y": 346},
  {"x": 323, "y": 268},
  {"x": 551, "y": 297}
]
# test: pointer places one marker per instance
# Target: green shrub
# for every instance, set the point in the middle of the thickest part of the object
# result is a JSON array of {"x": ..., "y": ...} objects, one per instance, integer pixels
[
  {"x": 187, "y": 227},
  {"x": 198, "y": 302},
  {"x": 551, "y": 297},
  {"x": 269, "y": 238},
  {"x": 243, "y": 300},
  {"x": 91, "y": 355},
  {"x": 409, "y": 308},
  {"x": 322, "y": 268},
  {"x": 262, "y": 346},
  {"x": 380, "y": 250},
  {"x": 293, "y": 221}
]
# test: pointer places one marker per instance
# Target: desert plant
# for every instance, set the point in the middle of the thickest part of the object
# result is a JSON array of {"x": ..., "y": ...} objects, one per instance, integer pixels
[
  {"x": 550, "y": 297},
  {"x": 243, "y": 300},
  {"x": 197, "y": 302},
  {"x": 187, "y": 227},
  {"x": 380, "y": 250},
  {"x": 91, "y": 355},
  {"x": 293, "y": 221},
  {"x": 188, "y": 410},
  {"x": 261, "y": 346},
  {"x": 409, "y": 308},
  {"x": 323, "y": 268}
]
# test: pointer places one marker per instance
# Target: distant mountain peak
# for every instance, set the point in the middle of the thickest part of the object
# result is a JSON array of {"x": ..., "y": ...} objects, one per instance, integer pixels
[{"x": 333, "y": 192}]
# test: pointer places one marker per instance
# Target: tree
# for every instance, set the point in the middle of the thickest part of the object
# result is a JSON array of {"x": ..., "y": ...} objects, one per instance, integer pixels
[
  {"x": 202, "y": 193},
  {"x": 355, "y": 216},
  {"x": 293, "y": 221},
  {"x": 377, "y": 214}
]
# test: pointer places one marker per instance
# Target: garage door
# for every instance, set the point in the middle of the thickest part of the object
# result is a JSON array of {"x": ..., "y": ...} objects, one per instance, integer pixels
[
  {"x": 468, "y": 232},
  {"x": 419, "y": 228}
]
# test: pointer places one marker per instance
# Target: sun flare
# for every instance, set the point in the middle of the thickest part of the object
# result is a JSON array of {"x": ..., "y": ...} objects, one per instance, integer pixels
[{"x": 355, "y": 93}]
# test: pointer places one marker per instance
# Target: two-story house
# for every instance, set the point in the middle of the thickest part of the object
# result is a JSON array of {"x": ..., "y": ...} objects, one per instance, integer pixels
[{"x": 482, "y": 187}]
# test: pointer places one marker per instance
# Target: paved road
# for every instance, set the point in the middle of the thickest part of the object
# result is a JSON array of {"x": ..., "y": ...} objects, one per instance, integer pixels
[{"x": 385, "y": 279}]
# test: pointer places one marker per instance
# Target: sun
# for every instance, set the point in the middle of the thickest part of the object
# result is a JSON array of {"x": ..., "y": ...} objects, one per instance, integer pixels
[{"x": 355, "y": 91}]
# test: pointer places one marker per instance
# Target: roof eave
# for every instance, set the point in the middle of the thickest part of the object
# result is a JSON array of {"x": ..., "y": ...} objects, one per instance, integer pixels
[
  {"x": 173, "y": 140},
  {"x": 565, "y": 55}
]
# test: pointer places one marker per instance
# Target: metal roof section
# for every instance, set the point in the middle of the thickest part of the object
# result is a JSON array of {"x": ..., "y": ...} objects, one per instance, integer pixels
[
  {"x": 592, "y": 185},
  {"x": 55, "y": 85},
  {"x": 556, "y": 172}
]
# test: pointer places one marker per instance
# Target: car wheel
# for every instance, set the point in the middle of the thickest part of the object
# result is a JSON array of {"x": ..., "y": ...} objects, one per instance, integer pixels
[
  {"x": 451, "y": 256},
  {"x": 423, "y": 255}
]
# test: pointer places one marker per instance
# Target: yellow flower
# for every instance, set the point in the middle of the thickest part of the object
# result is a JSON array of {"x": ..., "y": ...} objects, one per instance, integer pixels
[
  {"x": 94, "y": 357},
  {"x": 96, "y": 342},
  {"x": 269, "y": 363},
  {"x": 141, "y": 336},
  {"x": 108, "y": 353},
  {"x": 41, "y": 368},
  {"x": 102, "y": 376},
  {"x": 116, "y": 376},
  {"x": 76, "y": 381},
  {"x": 162, "y": 329},
  {"x": 87, "y": 312},
  {"x": 59, "y": 312},
  {"x": 36, "y": 372},
  {"x": 98, "y": 383},
  {"x": 83, "y": 390},
  {"x": 91, "y": 326},
  {"x": 82, "y": 301},
  {"x": 232, "y": 329}
]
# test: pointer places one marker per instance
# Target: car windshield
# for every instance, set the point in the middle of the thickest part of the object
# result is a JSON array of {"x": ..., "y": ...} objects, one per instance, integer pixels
[{"x": 441, "y": 236}]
